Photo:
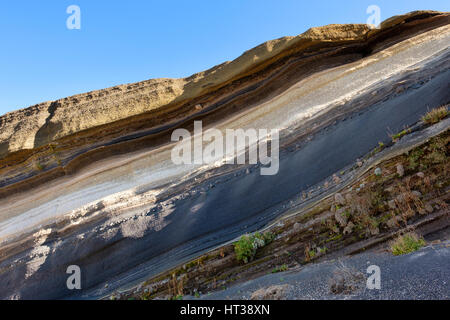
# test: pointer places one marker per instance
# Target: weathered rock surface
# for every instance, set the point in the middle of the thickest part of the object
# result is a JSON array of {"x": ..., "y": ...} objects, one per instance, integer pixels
[
  {"x": 270, "y": 293},
  {"x": 88, "y": 180}
]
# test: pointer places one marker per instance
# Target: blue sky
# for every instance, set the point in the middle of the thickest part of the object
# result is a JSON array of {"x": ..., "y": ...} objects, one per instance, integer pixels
[{"x": 128, "y": 41}]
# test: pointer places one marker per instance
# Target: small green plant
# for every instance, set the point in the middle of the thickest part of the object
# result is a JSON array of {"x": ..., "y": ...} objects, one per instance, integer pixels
[
  {"x": 435, "y": 115},
  {"x": 379, "y": 148},
  {"x": 282, "y": 268},
  {"x": 402, "y": 133},
  {"x": 145, "y": 296},
  {"x": 374, "y": 223},
  {"x": 334, "y": 238},
  {"x": 414, "y": 159},
  {"x": 197, "y": 295},
  {"x": 247, "y": 245},
  {"x": 438, "y": 150},
  {"x": 407, "y": 243},
  {"x": 267, "y": 237},
  {"x": 347, "y": 213}
]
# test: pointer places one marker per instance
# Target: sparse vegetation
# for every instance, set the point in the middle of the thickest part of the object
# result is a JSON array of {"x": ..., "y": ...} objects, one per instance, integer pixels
[
  {"x": 408, "y": 201},
  {"x": 397, "y": 136},
  {"x": 434, "y": 153},
  {"x": 176, "y": 287},
  {"x": 435, "y": 115},
  {"x": 309, "y": 253},
  {"x": 378, "y": 149},
  {"x": 407, "y": 243},
  {"x": 282, "y": 268},
  {"x": 373, "y": 206},
  {"x": 414, "y": 158},
  {"x": 247, "y": 245},
  {"x": 55, "y": 154}
]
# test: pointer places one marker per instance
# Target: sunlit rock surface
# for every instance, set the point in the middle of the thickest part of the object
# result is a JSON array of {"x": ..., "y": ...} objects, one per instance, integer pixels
[{"x": 88, "y": 180}]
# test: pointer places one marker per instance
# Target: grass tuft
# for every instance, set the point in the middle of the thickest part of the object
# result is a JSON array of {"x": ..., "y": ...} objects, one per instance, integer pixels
[
  {"x": 397, "y": 136},
  {"x": 407, "y": 243},
  {"x": 435, "y": 115},
  {"x": 282, "y": 268}
]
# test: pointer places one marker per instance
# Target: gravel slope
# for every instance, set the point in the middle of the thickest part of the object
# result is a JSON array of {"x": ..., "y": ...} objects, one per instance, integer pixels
[{"x": 424, "y": 274}]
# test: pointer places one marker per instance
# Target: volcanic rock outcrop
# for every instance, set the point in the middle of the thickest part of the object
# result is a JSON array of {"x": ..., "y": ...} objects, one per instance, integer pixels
[{"x": 88, "y": 180}]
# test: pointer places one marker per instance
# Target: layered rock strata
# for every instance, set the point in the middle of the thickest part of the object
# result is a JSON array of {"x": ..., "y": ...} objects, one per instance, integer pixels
[{"x": 88, "y": 180}]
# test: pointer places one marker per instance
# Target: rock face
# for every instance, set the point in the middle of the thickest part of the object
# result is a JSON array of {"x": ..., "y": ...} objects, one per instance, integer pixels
[
  {"x": 88, "y": 180},
  {"x": 48, "y": 122},
  {"x": 339, "y": 199},
  {"x": 340, "y": 217},
  {"x": 400, "y": 170},
  {"x": 96, "y": 111}
]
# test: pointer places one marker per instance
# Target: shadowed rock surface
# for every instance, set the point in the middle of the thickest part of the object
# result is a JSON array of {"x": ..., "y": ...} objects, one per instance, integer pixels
[
  {"x": 88, "y": 180},
  {"x": 417, "y": 276}
]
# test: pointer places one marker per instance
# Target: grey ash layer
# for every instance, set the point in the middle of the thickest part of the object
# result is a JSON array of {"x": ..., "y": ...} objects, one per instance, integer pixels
[{"x": 236, "y": 200}]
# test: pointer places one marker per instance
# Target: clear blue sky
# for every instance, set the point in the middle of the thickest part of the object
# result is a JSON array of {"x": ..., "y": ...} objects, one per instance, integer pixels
[{"x": 128, "y": 41}]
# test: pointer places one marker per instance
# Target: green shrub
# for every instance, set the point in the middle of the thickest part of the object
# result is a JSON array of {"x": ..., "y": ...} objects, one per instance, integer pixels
[
  {"x": 244, "y": 249},
  {"x": 267, "y": 237},
  {"x": 247, "y": 245},
  {"x": 407, "y": 243}
]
